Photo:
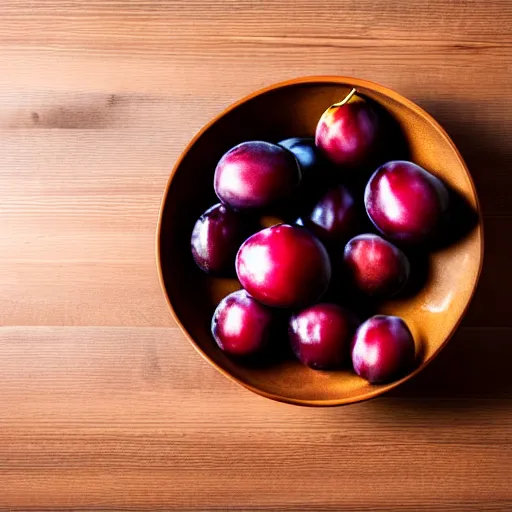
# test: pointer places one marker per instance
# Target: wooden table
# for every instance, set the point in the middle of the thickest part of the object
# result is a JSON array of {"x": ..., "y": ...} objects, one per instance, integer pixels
[{"x": 103, "y": 404}]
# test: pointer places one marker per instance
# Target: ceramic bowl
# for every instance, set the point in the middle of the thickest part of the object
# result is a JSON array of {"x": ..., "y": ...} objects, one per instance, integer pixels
[{"x": 292, "y": 109}]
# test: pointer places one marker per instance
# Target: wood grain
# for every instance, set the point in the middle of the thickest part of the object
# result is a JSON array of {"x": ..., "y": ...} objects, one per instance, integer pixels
[
  {"x": 129, "y": 417},
  {"x": 104, "y": 405}
]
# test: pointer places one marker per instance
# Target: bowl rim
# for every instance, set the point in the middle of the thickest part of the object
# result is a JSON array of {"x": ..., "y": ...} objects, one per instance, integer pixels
[{"x": 326, "y": 79}]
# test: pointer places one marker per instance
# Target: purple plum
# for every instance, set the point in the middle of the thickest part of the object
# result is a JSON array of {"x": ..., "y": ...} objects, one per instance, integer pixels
[
  {"x": 321, "y": 335},
  {"x": 284, "y": 266},
  {"x": 334, "y": 218},
  {"x": 256, "y": 175},
  {"x": 217, "y": 236},
  {"x": 375, "y": 266},
  {"x": 405, "y": 202},
  {"x": 350, "y": 132},
  {"x": 242, "y": 326},
  {"x": 382, "y": 349}
]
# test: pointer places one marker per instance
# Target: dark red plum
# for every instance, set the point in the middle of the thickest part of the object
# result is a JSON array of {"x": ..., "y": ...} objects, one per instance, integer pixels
[
  {"x": 255, "y": 175},
  {"x": 349, "y": 133},
  {"x": 405, "y": 202},
  {"x": 382, "y": 349},
  {"x": 242, "y": 326},
  {"x": 311, "y": 161},
  {"x": 217, "y": 236},
  {"x": 334, "y": 218},
  {"x": 375, "y": 266},
  {"x": 317, "y": 172},
  {"x": 321, "y": 335},
  {"x": 284, "y": 266}
]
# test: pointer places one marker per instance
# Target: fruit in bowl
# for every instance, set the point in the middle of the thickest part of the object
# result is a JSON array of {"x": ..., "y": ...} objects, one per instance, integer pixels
[
  {"x": 350, "y": 132},
  {"x": 241, "y": 326},
  {"x": 284, "y": 266},
  {"x": 311, "y": 161},
  {"x": 217, "y": 236},
  {"x": 256, "y": 174},
  {"x": 334, "y": 217},
  {"x": 374, "y": 266},
  {"x": 321, "y": 335},
  {"x": 405, "y": 202},
  {"x": 284, "y": 270},
  {"x": 382, "y": 348}
]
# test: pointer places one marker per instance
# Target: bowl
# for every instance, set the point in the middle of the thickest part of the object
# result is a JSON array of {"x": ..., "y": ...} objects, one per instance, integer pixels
[{"x": 277, "y": 112}]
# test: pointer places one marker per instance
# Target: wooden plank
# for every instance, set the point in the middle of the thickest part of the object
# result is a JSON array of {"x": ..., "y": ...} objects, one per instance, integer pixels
[
  {"x": 69, "y": 362},
  {"x": 369, "y": 19},
  {"x": 124, "y": 418},
  {"x": 57, "y": 271}
]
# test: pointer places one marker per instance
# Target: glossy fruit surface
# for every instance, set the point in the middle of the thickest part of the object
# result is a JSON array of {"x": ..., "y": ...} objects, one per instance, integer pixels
[
  {"x": 375, "y": 266},
  {"x": 217, "y": 236},
  {"x": 311, "y": 161},
  {"x": 255, "y": 175},
  {"x": 349, "y": 133},
  {"x": 382, "y": 349},
  {"x": 320, "y": 335},
  {"x": 241, "y": 326},
  {"x": 405, "y": 202},
  {"x": 317, "y": 172},
  {"x": 284, "y": 266},
  {"x": 334, "y": 218}
]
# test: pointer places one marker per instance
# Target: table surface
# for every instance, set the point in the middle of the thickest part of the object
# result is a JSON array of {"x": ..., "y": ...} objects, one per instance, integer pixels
[{"x": 103, "y": 404}]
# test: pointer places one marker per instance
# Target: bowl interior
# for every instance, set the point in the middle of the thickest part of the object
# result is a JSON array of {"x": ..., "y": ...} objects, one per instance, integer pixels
[{"x": 288, "y": 110}]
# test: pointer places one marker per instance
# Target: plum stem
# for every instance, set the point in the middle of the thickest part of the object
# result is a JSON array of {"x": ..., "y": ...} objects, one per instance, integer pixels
[{"x": 344, "y": 100}]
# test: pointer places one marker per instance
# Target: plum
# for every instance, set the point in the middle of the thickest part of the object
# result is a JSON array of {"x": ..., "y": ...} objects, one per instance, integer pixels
[
  {"x": 284, "y": 266},
  {"x": 241, "y": 326},
  {"x": 317, "y": 171},
  {"x": 382, "y": 349},
  {"x": 321, "y": 335},
  {"x": 350, "y": 133},
  {"x": 334, "y": 218},
  {"x": 405, "y": 202},
  {"x": 375, "y": 266},
  {"x": 311, "y": 161},
  {"x": 217, "y": 236},
  {"x": 255, "y": 175}
]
